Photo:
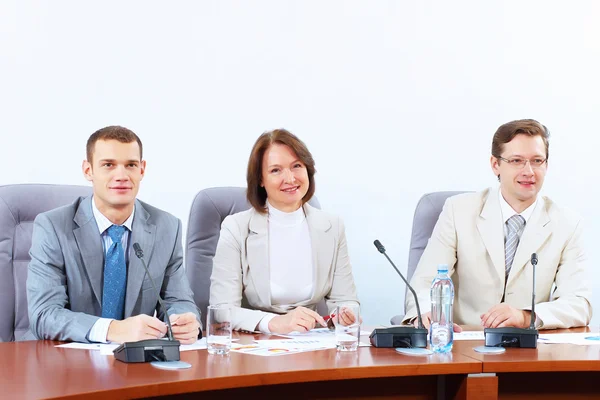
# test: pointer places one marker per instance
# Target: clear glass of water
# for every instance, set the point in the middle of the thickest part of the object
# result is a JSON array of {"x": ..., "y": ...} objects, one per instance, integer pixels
[
  {"x": 218, "y": 329},
  {"x": 347, "y": 327}
]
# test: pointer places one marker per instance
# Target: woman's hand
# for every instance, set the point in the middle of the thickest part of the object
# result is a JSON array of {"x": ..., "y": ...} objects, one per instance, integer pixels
[{"x": 301, "y": 319}]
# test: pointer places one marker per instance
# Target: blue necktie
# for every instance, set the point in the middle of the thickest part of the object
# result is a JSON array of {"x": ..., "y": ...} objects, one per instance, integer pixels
[{"x": 115, "y": 276}]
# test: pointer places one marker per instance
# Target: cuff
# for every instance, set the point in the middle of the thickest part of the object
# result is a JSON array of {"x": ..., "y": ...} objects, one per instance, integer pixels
[
  {"x": 263, "y": 325},
  {"x": 99, "y": 330}
]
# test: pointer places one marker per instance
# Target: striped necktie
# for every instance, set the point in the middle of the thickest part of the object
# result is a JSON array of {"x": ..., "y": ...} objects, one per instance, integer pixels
[{"x": 515, "y": 225}]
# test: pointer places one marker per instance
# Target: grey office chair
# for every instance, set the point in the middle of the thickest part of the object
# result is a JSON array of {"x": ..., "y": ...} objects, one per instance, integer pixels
[
  {"x": 19, "y": 205},
  {"x": 209, "y": 209},
  {"x": 426, "y": 215}
]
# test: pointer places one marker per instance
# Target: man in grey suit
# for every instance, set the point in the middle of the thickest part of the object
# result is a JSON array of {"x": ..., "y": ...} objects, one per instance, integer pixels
[{"x": 85, "y": 283}]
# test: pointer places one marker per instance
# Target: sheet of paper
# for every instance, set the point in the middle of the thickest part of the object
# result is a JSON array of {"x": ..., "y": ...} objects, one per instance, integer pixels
[
  {"x": 582, "y": 339},
  {"x": 278, "y": 347},
  {"x": 304, "y": 344},
  {"x": 81, "y": 346},
  {"x": 318, "y": 332},
  {"x": 266, "y": 351},
  {"x": 469, "y": 335},
  {"x": 107, "y": 349}
]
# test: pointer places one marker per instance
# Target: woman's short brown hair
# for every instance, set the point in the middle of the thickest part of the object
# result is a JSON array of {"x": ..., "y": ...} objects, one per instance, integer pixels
[
  {"x": 508, "y": 131},
  {"x": 256, "y": 194}
]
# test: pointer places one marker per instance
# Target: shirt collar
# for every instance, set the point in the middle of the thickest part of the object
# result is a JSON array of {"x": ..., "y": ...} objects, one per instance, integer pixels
[
  {"x": 104, "y": 223},
  {"x": 285, "y": 218},
  {"x": 508, "y": 211}
]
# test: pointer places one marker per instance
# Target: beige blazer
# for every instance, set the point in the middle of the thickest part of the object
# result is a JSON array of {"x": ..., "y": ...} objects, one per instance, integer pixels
[
  {"x": 469, "y": 237},
  {"x": 241, "y": 277}
]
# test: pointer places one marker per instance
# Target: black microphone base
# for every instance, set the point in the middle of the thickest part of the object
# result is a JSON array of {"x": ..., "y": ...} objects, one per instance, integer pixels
[
  {"x": 511, "y": 337},
  {"x": 148, "y": 350},
  {"x": 399, "y": 336}
]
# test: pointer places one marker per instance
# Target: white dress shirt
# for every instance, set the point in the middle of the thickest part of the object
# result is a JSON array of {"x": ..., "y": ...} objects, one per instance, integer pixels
[
  {"x": 290, "y": 260},
  {"x": 99, "y": 331},
  {"x": 508, "y": 212}
]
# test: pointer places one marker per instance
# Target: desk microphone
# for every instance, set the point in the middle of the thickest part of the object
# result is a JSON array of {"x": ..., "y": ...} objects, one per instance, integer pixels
[
  {"x": 400, "y": 336},
  {"x": 516, "y": 337},
  {"x": 151, "y": 349},
  {"x": 140, "y": 254}
]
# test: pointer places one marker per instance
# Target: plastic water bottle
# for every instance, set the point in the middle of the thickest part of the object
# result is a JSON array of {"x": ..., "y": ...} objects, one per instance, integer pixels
[{"x": 441, "y": 332}]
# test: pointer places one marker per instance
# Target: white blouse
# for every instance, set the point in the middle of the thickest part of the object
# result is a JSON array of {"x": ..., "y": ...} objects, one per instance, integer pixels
[{"x": 290, "y": 259}]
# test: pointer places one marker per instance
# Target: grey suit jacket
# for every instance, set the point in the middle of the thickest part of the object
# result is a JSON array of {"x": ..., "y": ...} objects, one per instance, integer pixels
[
  {"x": 65, "y": 276},
  {"x": 469, "y": 237},
  {"x": 241, "y": 266}
]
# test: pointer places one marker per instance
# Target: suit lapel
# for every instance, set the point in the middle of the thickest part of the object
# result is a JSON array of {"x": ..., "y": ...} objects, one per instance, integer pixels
[
  {"x": 491, "y": 229},
  {"x": 143, "y": 232},
  {"x": 323, "y": 248},
  {"x": 257, "y": 248},
  {"x": 89, "y": 242},
  {"x": 537, "y": 230}
]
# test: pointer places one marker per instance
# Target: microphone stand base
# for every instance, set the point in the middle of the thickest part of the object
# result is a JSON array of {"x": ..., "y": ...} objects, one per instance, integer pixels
[
  {"x": 399, "y": 336},
  {"x": 511, "y": 337},
  {"x": 147, "y": 351}
]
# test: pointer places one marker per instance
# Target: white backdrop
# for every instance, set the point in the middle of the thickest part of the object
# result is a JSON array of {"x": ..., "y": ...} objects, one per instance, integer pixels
[{"x": 394, "y": 98}]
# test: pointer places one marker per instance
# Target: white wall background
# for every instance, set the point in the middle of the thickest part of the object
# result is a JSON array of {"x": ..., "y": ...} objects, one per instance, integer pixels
[{"x": 394, "y": 99}]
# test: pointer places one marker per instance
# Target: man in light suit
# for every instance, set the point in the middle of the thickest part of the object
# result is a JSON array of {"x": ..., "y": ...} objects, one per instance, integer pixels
[
  {"x": 487, "y": 239},
  {"x": 84, "y": 282}
]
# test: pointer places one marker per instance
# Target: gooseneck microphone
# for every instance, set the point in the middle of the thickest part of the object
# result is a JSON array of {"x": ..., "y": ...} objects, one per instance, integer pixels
[
  {"x": 140, "y": 254},
  {"x": 400, "y": 336},
  {"x": 381, "y": 249},
  {"x": 151, "y": 349},
  {"x": 534, "y": 262},
  {"x": 516, "y": 337}
]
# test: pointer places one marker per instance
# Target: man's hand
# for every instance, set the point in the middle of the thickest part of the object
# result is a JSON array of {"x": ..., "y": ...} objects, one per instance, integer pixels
[
  {"x": 427, "y": 322},
  {"x": 300, "y": 319},
  {"x": 136, "y": 328},
  {"x": 502, "y": 315},
  {"x": 185, "y": 327}
]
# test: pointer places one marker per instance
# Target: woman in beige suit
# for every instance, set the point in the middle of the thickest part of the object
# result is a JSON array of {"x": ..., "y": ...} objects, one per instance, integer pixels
[{"x": 275, "y": 262}]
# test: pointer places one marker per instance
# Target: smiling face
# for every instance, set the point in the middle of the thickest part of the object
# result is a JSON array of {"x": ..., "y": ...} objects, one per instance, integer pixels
[
  {"x": 520, "y": 186},
  {"x": 284, "y": 178},
  {"x": 115, "y": 171}
]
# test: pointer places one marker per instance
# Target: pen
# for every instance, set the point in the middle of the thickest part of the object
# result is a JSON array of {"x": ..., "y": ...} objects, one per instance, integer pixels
[{"x": 329, "y": 320}]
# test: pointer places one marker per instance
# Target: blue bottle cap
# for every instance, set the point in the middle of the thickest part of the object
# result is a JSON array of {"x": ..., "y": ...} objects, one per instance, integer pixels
[{"x": 443, "y": 268}]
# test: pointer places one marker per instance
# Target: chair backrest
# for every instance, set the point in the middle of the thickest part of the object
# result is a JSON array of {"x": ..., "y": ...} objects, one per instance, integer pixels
[
  {"x": 209, "y": 209},
  {"x": 19, "y": 205},
  {"x": 426, "y": 215}
]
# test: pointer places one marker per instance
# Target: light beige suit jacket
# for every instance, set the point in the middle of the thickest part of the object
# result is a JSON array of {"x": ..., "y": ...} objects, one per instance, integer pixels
[
  {"x": 469, "y": 237},
  {"x": 241, "y": 275}
]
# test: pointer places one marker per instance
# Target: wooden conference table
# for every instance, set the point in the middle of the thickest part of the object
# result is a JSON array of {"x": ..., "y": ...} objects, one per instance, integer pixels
[{"x": 40, "y": 370}]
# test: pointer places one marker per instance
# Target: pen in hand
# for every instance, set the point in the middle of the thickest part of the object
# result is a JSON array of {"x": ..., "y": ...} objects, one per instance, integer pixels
[{"x": 329, "y": 320}]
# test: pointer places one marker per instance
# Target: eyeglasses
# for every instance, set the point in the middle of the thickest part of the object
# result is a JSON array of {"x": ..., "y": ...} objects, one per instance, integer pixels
[{"x": 519, "y": 163}]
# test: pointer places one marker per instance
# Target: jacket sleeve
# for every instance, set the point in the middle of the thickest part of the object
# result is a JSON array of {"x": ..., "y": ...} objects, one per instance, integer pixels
[
  {"x": 47, "y": 292},
  {"x": 441, "y": 249},
  {"x": 570, "y": 305},
  {"x": 176, "y": 290},
  {"x": 343, "y": 289},
  {"x": 226, "y": 281}
]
